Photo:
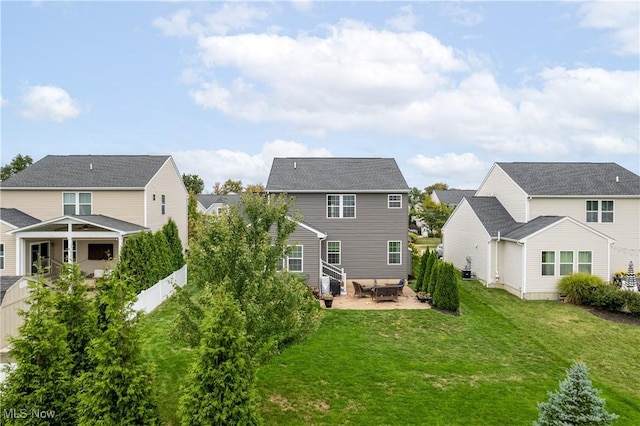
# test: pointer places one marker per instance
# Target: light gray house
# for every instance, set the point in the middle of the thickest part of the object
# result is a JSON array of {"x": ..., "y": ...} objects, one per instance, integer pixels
[
  {"x": 215, "y": 203},
  {"x": 451, "y": 197},
  {"x": 355, "y": 214},
  {"x": 530, "y": 224}
]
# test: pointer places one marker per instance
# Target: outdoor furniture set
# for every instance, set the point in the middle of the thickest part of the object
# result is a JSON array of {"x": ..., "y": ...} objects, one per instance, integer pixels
[{"x": 379, "y": 292}]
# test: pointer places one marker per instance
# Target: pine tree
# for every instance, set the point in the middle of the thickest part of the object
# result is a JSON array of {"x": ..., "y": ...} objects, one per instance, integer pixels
[
  {"x": 74, "y": 310},
  {"x": 170, "y": 230},
  {"x": 575, "y": 403},
  {"x": 446, "y": 294},
  {"x": 219, "y": 386},
  {"x": 119, "y": 389},
  {"x": 42, "y": 380}
]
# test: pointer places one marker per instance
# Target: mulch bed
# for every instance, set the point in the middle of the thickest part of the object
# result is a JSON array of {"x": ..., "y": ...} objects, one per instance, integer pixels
[{"x": 620, "y": 317}]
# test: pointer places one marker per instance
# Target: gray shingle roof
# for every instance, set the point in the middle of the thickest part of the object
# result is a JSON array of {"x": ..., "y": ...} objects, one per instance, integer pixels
[
  {"x": 454, "y": 196},
  {"x": 6, "y": 281},
  {"x": 531, "y": 227},
  {"x": 88, "y": 171},
  {"x": 17, "y": 218},
  {"x": 335, "y": 174},
  {"x": 208, "y": 199},
  {"x": 112, "y": 223},
  {"x": 573, "y": 178},
  {"x": 492, "y": 214}
]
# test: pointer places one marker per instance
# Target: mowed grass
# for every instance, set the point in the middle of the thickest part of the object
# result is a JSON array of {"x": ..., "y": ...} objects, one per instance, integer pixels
[{"x": 489, "y": 366}]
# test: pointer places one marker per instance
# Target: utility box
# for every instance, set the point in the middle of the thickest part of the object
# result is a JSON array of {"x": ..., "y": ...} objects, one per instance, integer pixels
[
  {"x": 324, "y": 287},
  {"x": 466, "y": 275}
]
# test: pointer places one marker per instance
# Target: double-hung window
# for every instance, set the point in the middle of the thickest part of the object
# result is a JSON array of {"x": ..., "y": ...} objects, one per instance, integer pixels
[
  {"x": 394, "y": 252},
  {"x": 294, "y": 259},
  {"x": 394, "y": 201},
  {"x": 566, "y": 262},
  {"x": 163, "y": 202},
  {"x": 1, "y": 256},
  {"x": 585, "y": 260},
  {"x": 341, "y": 206},
  {"x": 548, "y": 263},
  {"x": 334, "y": 252},
  {"x": 76, "y": 203},
  {"x": 600, "y": 211}
]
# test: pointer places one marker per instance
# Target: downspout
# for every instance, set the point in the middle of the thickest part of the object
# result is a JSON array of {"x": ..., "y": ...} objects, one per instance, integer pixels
[
  {"x": 523, "y": 290},
  {"x": 497, "y": 279}
]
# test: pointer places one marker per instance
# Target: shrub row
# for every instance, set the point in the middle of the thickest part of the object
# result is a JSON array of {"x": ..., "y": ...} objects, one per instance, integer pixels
[{"x": 590, "y": 290}]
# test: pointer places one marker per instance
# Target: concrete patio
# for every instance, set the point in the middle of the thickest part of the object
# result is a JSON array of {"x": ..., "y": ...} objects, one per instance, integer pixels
[{"x": 405, "y": 301}]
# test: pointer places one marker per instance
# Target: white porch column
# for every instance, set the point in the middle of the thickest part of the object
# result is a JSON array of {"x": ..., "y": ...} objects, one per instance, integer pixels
[
  {"x": 69, "y": 244},
  {"x": 120, "y": 242},
  {"x": 19, "y": 254}
]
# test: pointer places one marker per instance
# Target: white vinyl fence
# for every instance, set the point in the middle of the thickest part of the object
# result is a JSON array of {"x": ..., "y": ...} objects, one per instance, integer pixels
[{"x": 150, "y": 298}]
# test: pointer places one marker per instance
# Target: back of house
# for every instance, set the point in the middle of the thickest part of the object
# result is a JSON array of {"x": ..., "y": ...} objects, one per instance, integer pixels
[{"x": 355, "y": 214}]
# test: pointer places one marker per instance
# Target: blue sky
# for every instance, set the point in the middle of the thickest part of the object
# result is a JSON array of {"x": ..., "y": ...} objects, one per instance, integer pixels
[{"x": 446, "y": 88}]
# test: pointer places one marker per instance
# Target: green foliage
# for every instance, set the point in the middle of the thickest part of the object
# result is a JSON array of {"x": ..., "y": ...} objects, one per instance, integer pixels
[
  {"x": 18, "y": 163},
  {"x": 575, "y": 403},
  {"x": 194, "y": 219},
  {"x": 446, "y": 294},
  {"x": 240, "y": 251},
  {"x": 605, "y": 296},
  {"x": 193, "y": 183},
  {"x": 170, "y": 230},
  {"x": 432, "y": 258},
  {"x": 577, "y": 287},
  {"x": 632, "y": 302},
  {"x": 433, "y": 276},
  {"x": 434, "y": 215},
  {"x": 227, "y": 187},
  {"x": 415, "y": 261},
  {"x": 75, "y": 311},
  {"x": 186, "y": 325},
  {"x": 420, "y": 281},
  {"x": 219, "y": 388},
  {"x": 42, "y": 379},
  {"x": 118, "y": 390}
]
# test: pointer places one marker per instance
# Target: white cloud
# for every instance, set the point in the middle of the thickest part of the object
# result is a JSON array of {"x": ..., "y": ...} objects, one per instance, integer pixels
[
  {"x": 619, "y": 18},
  {"x": 304, "y": 6},
  {"x": 405, "y": 20},
  {"x": 229, "y": 17},
  {"x": 409, "y": 83},
  {"x": 461, "y": 15},
  {"x": 3, "y": 101},
  {"x": 465, "y": 168},
  {"x": 219, "y": 165},
  {"x": 48, "y": 103}
]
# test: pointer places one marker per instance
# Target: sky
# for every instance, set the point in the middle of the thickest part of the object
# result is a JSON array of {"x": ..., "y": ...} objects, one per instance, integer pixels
[{"x": 445, "y": 88}]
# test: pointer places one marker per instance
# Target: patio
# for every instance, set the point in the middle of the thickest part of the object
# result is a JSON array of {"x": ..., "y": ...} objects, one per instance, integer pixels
[{"x": 405, "y": 301}]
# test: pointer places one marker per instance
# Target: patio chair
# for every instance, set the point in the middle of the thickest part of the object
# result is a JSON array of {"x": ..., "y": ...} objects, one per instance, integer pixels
[
  {"x": 360, "y": 290},
  {"x": 401, "y": 284}
]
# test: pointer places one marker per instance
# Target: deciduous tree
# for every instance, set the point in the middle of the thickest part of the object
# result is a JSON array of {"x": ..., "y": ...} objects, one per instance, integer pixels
[
  {"x": 18, "y": 163},
  {"x": 193, "y": 183}
]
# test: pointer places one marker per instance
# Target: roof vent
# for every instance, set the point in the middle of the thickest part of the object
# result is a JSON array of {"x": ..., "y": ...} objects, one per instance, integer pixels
[
  {"x": 617, "y": 179},
  {"x": 90, "y": 166},
  {"x": 294, "y": 165}
]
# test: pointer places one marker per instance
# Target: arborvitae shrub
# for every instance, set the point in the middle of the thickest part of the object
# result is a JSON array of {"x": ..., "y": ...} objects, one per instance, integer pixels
[
  {"x": 433, "y": 277},
  {"x": 575, "y": 403},
  {"x": 423, "y": 269},
  {"x": 446, "y": 294},
  {"x": 170, "y": 230}
]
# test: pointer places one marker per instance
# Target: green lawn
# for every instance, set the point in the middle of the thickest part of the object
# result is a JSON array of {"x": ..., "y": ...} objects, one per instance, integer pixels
[{"x": 489, "y": 366}]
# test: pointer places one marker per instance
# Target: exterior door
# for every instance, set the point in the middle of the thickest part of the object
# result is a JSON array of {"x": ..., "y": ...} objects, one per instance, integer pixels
[{"x": 39, "y": 257}]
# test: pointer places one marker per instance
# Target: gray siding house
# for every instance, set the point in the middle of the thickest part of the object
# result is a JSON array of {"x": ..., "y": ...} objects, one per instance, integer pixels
[{"x": 355, "y": 214}]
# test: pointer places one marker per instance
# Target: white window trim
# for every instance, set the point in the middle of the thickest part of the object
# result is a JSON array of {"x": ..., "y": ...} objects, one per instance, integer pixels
[
  {"x": 339, "y": 252},
  {"x": 555, "y": 261},
  {"x": 389, "y": 201},
  {"x": 341, "y": 206},
  {"x": 77, "y": 201},
  {"x": 389, "y": 252},
  {"x": 301, "y": 259},
  {"x": 578, "y": 263},
  {"x": 599, "y": 211}
]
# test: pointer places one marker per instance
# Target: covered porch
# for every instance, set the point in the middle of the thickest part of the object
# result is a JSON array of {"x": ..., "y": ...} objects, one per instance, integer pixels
[{"x": 91, "y": 241}]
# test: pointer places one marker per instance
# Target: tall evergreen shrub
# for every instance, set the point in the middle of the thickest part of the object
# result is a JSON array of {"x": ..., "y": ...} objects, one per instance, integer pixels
[
  {"x": 170, "y": 230},
  {"x": 433, "y": 277},
  {"x": 446, "y": 294},
  {"x": 423, "y": 268}
]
